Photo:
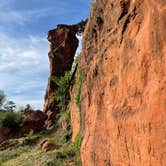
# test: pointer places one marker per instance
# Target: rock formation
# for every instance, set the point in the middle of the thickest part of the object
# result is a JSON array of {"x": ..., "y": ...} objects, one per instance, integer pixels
[
  {"x": 33, "y": 120},
  {"x": 63, "y": 45},
  {"x": 124, "y": 84}
]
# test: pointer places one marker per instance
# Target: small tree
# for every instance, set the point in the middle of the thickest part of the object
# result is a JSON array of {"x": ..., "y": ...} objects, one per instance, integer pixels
[
  {"x": 81, "y": 26},
  {"x": 61, "y": 94},
  {"x": 10, "y": 106},
  {"x": 12, "y": 120},
  {"x": 28, "y": 107},
  {"x": 2, "y": 98}
]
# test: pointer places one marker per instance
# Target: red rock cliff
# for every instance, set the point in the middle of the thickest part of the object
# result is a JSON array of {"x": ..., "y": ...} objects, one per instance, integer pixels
[
  {"x": 63, "y": 45},
  {"x": 124, "y": 84}
]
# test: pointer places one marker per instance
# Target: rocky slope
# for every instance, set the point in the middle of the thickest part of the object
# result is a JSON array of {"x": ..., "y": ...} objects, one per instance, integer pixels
[{"x": 123, "y": 95}]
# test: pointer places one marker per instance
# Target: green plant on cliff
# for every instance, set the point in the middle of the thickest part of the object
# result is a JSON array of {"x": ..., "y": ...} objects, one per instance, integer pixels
[
  {"x": 69, "y": 151},
  {"x": 61, "y": 94},
  {"x": 75, "y": 147},
  {"x": 81, "y": 27},
  {"x": 72, "y": 150}
]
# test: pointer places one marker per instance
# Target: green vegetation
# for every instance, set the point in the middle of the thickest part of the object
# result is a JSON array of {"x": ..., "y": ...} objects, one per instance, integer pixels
[
  {"x": 78, "y": 91},
  {"x": 2, "y": 98},
  {"x": 4, "y": 104},
  {"x": 12, "y": 120},
  {"x": 68, "y": 151},
  {"x": 81, "y": 26},
  {"x": 29, "y": 139},
  {"x": 73, "y": 150},
  {"x": 26, "y": 156},
  {"x": 10, "y": 106},
  {"x": 9, "y": 154},
  {"x": 61, "y": 94},
  {"x": 25, "y": 153}
]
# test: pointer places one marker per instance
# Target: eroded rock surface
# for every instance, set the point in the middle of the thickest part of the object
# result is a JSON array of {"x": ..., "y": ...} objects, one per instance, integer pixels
[
  {"x": 124, "y": 84},
  {"x": 63, "y": 45},
  {"x": 33, "y": 120}
]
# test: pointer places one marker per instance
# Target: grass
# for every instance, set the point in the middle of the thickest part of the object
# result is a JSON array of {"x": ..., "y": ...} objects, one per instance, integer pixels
[
  {"x": 26, "y": 156},
  {"x": 67, "y": 153},
  {"x": 10, "y": 154},
  {"x": 24, "y": 152}
]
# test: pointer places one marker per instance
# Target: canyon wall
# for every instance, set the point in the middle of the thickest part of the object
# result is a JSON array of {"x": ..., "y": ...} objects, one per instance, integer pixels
[
  {"x": 123, "y": 95},
  {"x": 63, "y": 46}
]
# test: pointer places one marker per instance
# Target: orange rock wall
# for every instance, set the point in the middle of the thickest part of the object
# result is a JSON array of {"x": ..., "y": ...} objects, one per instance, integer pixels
[
  {"x": 123, "y": 97},
  {"x": 74, "y": 109}
]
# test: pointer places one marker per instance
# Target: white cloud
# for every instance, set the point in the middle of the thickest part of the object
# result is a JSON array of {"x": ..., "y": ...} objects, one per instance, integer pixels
[
  {"x": 21, "y": 17},
  {"x": 36, "y": 104},
  {"x": 8, "y": 14},
  {"x": 24, "y": 68}
]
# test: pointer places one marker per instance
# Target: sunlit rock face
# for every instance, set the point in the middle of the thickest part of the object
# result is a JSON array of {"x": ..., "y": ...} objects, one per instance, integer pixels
[
  {"x": 124, "y": 84},
  {"x": 63, "y": 46}
]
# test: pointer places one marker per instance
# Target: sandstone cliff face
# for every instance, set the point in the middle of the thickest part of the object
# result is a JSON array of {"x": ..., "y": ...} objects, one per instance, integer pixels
[
  {"x": 63, "y": 45},
  {"x": 124, "y": 84},
  {"x": 74, "y": 108}
]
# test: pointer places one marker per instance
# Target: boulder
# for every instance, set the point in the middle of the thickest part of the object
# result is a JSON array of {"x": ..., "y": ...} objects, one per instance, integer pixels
[
  {"x": 46, "y": 145},
  {"x": 33, "y": 120}
]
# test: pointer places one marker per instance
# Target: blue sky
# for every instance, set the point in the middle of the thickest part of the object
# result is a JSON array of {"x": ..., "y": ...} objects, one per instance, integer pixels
[{"x": 24, "y": 66}]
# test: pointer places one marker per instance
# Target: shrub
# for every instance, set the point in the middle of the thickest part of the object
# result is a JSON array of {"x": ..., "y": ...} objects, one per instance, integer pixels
[
  {"x": 73, "y": 150},
  {"x": 10, "y": 106},
  {"x": 61, "y": 94},
  {"x": 2, "y": 98},
  {"x": 30, "y": 139},
  {"x": 12, "y": 120}
]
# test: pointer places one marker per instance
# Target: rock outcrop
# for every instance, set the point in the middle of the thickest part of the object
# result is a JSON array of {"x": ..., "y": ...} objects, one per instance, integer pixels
[
  {"x": 33, "y": 120},
  {"x": 124, "y": 84},
  {"x": 63, "y": 46},
  {"x": 46, "y": 145}
]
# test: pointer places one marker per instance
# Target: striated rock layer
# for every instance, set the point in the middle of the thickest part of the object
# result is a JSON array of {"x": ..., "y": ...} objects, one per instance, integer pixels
[
  {"x": 124, "y": 84},
  {"x": 73, "y": 106},
  {"x": 63, "y": 45}
]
